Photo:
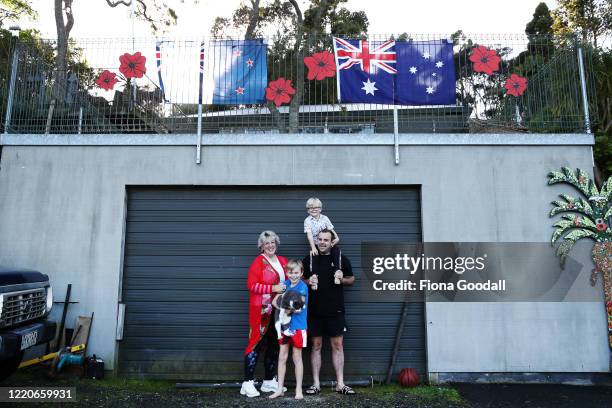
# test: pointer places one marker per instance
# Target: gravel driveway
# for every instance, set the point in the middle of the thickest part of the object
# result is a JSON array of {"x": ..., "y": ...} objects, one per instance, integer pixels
[{"x": 118, "y": 392}]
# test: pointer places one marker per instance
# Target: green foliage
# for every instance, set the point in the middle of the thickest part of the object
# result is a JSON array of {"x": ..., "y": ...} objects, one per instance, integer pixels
[
  {"x": 592, "y": 18},
  {"x": 541, "y": 23},
  {"x": 37, "y": 64},
  {"x": 476, "y": 88},
  {"x": 601, "y": 105},
  {"x": 15, "y": 9}
]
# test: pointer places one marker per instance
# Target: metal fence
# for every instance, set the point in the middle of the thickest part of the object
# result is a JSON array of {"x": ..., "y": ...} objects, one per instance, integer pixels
[{"x": 497, "y": 83}]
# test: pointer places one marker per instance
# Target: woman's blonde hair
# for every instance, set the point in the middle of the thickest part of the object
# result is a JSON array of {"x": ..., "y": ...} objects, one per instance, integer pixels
[
  {"x": 294, "y": 263},
  {"x": 265, "y": 237}
]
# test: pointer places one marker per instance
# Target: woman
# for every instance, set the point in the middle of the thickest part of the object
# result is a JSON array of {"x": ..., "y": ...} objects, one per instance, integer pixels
[{"x": 265, "y": 279}]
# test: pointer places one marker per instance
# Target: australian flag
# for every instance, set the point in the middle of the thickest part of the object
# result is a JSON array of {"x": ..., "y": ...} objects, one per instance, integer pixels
[
  {"x": 395, "y": 72},
  {"x": 239, "y": 72}
]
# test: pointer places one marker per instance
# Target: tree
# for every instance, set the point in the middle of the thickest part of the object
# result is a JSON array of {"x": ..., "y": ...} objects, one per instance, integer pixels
[
  {"x": 15, "y": 9},
  {"x": 154, "y": 12},
  {"x": 64, "y": 21},
  {"x": 591, "y": 18},
  {"x": 297, "y": 33},
  {"x": 542, "y": 21}
]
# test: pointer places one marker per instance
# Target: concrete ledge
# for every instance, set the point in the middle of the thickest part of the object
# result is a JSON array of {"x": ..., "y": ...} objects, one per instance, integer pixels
[
  {"x": 441, "y": 139},
  {"x": 523, "y": 378}
]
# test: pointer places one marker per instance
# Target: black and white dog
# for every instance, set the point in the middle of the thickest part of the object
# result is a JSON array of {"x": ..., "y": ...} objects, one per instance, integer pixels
[{"x": 289, "y": 303}]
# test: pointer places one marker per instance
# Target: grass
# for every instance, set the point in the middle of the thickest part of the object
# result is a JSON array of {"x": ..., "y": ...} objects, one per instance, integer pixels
[
  {"x": 424, "y": 392},
  {"x": 134, "y": 385},
  {"x": 118, "y": 391}
]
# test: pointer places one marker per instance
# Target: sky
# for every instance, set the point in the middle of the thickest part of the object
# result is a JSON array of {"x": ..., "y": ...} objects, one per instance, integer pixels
[{"x": 94, "y": 18}]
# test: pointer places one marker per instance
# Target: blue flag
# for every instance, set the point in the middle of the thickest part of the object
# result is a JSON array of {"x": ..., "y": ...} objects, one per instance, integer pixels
[
  {"x": 395, "y": 72},
  {"x": 236, "y": 72}
]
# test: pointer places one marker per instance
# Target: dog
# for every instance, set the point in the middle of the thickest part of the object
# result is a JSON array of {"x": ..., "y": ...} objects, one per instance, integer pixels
[{"x": 289, "y": 303}]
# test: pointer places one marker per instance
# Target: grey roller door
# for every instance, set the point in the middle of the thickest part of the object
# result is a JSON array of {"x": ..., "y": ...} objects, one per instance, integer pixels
[{"x": 187, "y": 251}]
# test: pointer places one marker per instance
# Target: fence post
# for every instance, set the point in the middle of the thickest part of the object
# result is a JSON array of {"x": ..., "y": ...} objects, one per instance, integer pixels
[
  {"x": 585, "y": 100},
  {"x": 11, "y": 92},
  {"x": 199, "y": 147},
  {"x": 396, "y": 135},
  {"x": 200, "y": 100},
  {"x": 80, "y": 120}
]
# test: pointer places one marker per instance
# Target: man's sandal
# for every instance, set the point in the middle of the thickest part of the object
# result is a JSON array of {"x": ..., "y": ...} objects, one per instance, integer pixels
[
  {"x": 312, "y": 390},
  {"x": 346, "y": 390}
]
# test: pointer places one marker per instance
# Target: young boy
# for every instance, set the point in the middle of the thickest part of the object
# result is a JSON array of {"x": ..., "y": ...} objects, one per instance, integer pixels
[
  {"x": 295, "y": 270},
  {"x": 317, "y": 222}
]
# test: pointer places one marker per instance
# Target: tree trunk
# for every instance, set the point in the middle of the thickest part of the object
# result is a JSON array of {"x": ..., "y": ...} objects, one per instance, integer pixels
[
  {"x": 253, "y": 20},
  {"x": 298, "y": 51},
  {"x": 63, "y": 28},
  {"x": 602, "y": 256},
  {"x": 294, "y": 106}
]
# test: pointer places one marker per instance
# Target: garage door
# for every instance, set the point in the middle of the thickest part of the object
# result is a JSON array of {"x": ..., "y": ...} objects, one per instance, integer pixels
[{"x": 187, "y": 252}]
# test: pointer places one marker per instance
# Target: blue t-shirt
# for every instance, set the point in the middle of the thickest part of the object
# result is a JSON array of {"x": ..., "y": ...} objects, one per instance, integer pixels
[{"x": 298, "y": 320}]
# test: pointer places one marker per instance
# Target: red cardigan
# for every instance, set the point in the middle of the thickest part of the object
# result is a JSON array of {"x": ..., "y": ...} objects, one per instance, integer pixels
[{"x": 262, "y": 276}]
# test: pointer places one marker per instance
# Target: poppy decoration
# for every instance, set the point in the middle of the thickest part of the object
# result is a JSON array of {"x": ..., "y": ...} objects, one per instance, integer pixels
[
  {"x": 280, "y": 91},
  {"x": 107, "y": 80},
  {"x": 516, "y": 85},
  {"x": 485, "y": 60},
  {"x": 133, "y": 65},
  {"x": 320, "y": 65}
]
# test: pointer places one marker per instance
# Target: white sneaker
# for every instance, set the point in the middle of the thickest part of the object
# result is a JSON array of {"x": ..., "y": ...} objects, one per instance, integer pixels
[
  {"x": 248, "y": 389},
  {"x": 270, "y": 386}
]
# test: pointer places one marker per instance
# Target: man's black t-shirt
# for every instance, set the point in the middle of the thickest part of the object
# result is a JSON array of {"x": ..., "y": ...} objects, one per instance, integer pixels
[{"x": 328, "y": 299}]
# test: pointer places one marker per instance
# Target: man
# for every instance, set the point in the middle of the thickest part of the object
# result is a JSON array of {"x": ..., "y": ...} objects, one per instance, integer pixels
[{"x": 326, "y": 309}]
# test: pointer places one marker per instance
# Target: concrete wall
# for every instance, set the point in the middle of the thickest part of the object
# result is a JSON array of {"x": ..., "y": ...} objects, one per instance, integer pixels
[{"x": 62, "y": 211}]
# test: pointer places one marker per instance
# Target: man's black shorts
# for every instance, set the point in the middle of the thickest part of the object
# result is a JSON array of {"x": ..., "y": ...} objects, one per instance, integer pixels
[{"x": 329, "y": 326}]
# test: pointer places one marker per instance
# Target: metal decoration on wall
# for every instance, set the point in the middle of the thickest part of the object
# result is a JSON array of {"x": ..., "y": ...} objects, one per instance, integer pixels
[{"x": 590, "y": 217}]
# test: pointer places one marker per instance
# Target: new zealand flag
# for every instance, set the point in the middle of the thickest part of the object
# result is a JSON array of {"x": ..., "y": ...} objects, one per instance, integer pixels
[
  {"x": 236, "y": 72},
  {"x": 395, "y": 72}
]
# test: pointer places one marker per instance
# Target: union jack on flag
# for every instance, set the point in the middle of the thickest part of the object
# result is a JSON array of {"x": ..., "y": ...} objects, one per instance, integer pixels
[{"x": 367, "y": 55}]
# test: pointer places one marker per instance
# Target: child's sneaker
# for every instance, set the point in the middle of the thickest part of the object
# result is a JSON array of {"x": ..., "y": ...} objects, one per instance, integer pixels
[
  {"x": 248, "y": 389},
  {"x": 270, "y": 386}
]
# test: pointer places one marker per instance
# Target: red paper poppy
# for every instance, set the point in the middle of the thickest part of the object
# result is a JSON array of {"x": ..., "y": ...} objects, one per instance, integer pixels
[
  {"x": 279, "y": 91},
  {"x": 516, "y": 85},
  {"x": 320, "y": 65},
  {"x": 485, "y": 60},
  {"x": 133, "y": 66},
  {"x": 107, "y": 80}
]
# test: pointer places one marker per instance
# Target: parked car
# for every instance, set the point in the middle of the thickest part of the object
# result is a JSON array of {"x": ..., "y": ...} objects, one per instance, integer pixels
[{"x": 26, "y": 299}]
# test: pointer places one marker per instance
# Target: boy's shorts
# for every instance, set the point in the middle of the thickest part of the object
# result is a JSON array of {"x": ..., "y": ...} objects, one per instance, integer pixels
[{"x": 298, "y": 340}]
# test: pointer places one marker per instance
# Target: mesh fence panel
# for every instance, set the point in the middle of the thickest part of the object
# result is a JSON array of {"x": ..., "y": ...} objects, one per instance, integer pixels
[{"x": 164, "y": 99}]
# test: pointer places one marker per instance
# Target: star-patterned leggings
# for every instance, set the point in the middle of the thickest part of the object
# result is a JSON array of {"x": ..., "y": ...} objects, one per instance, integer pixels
[{"x": 269, "y": 343}]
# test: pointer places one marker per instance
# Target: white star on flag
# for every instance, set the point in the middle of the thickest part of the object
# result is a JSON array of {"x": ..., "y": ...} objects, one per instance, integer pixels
[
  {"x": 426, "y": 55},
  {"x": 429, "y": 90},
  {"x": 239, "y": 90},
  {"x": 369, "y": 87},
  {"x": 237, "y": 53},
  {"x": 413, "y": 70},
  {"x": 439, "y": 64},
  {"x": 250, "y": 63},
  {"x": 434, "y": 74}
]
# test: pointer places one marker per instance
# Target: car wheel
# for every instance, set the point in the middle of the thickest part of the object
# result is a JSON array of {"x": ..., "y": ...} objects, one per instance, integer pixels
[{"x": 8, "y": 367}]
